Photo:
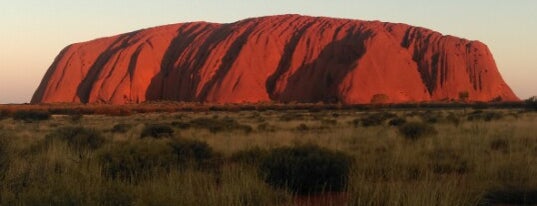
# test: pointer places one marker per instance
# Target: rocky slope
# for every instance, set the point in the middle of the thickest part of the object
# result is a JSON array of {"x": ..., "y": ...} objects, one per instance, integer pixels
[{"x": 276, "y": 58}]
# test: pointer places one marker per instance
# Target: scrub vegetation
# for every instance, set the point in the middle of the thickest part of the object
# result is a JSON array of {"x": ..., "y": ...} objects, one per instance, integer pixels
[{"x": 292, "y": 156}]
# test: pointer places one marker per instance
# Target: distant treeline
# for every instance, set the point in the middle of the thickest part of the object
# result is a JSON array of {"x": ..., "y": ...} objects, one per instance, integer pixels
[{"x": 150, "y": 107}]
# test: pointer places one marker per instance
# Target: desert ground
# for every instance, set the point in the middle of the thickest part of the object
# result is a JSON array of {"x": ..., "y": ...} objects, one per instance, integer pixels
[{"x": 294, "y": 156}]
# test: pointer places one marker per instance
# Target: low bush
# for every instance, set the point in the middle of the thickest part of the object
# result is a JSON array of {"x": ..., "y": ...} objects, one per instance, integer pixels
[
  {"x": 136, "y": 161},
  {"x": 215, "y": 125},
  {"x": 306, "y": 169},
  {"x": 329, "y": 122},
  {"x": 499, "y": 144},
  {"x": 291, "y": 116},
  {"x": 78, "y": 138},
  {"x": 484, "y": 116},
  {"x": 252, "y": 156},
  {"x": 266, "y": 127},
  {"x": 445, "y": 161},
  {"x": 121, "y": 128},
  {"x": 195, "y": 154},
  {"x": 3, "y": 114},
  {"x": 157, "y": 131},
  {"x": 181, "y": 125},
  {"x": 430, "y": 116},
  {"x": 76, "y": 118},
  {"x": 454, "y": 119},
  {"x": 142, "y": 159},
  {"x": 5, "y": 155},
  {"x": 510, "y": 196},
  {"x": 531, "y": 103},
  {"x": 398, "y": 121},
  {"x": 30, "y": 115},
  {"x": 376, "y": 119},
  {"x": 302, "y": 128},
  {"x": 416, "y": 130}
]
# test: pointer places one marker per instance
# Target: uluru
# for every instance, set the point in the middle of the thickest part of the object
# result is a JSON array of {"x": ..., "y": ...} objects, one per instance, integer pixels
[{"x": 285, "y": 58}]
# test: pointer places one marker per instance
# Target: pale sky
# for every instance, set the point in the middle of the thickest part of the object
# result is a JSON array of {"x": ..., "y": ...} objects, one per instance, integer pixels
[{"x": 32, "y": 32}]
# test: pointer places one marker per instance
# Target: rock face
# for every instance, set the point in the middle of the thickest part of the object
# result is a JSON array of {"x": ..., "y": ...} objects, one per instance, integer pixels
[{"x": 276, "y": 58}]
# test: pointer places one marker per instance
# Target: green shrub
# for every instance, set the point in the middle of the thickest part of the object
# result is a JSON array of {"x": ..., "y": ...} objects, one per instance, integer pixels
[
  {"x": 306, "y": 169},
  {"x": 398, "y": 121},
  {"x": 302, "y": 128},
  {"x": 266, "y": 127},
  {"x": 143, "y": 159},
  {"x": 416, "y": 130},
  {"x": 157, "y": 131},
  {"x": 31, "y": 115},
  {"x": 3, "y": 114},
  {"x": 376, "y": 119},
  {"x": 78, "y": 138},
  {"x": 121, "y": 128},
  {"x": 454, "y": 119},
  {"x": 195, "y": 154},
  {"x": 430, "y": 116},
  {"x": 181, "y": 125},
  {"x": 531, "y": 103},
  {"x": 329, "y": 122},
  {"x": 252, "y": 156},
  {"x": 291, "y": 116},
  {"x": 484, "y": 116},
  {"x": 445, "y": 161},
  {"x": 215, "y": 125},
  {"x": 116, "y": 194},
  {"x": 76, "y": 118},
  {"x": 499, "y": 144},
  {"x": 136, "y": 161},
  {"x": 510, "y": 196},
  {"x": 5, "y": 155}
]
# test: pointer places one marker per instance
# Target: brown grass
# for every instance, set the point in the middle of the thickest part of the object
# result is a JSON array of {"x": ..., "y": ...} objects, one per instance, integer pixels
[{"x": 463, "y": 164}]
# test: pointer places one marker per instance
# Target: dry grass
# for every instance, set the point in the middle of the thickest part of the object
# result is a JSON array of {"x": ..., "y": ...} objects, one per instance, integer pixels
[{"x": 465, "y": 163}]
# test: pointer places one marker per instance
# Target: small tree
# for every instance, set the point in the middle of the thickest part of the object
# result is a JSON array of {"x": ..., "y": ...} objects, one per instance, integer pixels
[
  {"x": 307, "y": 169},
  {"x": 531, "y": 103}
]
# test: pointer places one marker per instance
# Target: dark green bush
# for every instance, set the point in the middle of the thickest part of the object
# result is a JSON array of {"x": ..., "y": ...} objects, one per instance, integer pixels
[
  {"x": 5, "y": 155},
  {"x": 430, "y": 116},
  {"x": 121, "y": 128},
  {"x": 376, "y": 119},
  {"x": 306, "y": 169},
  {"x": 252, "y": 156},
  {"x": 398, "y": 121},
  {"x": 266, "y": 127},
  {"x": 31, "y": 115},
  {"x": 499, "y": 144},
  {"x": 484, "y": 116},
  {"x": 302, "y": 128},
  {"x": 215, "y": 125},
  {"x": 157, "y": 131},
  {"x": 329, "y": 122},
  {"x": 136, "y": 161},
  {"x": 181, "y": 125},
  {"x": 531, "y": 103},
  {"x": 510, "y": 196},
  {"x": 290, "y": 116},
  {"x": 3, "y": 114},
  {"x": 116, "y": 194},
  {"x": 79, "y": 138},
  {"x": 76, "y": 118},
  {"x": 143, "y": 159},
  {"x": 445, "y": 161},
  {"x": 416, "y": 130},
  {"x": 195, "y": 154},
  {"x": 454, "y": 119}
]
